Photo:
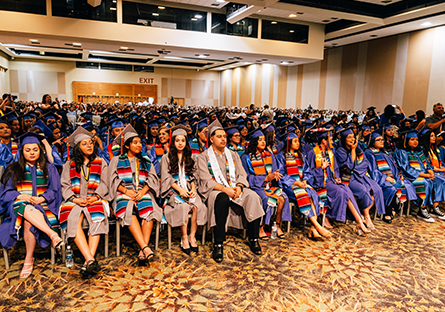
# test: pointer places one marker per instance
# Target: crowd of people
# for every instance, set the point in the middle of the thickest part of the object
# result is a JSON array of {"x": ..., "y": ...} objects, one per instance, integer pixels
[{"x": 66, "y": 164}]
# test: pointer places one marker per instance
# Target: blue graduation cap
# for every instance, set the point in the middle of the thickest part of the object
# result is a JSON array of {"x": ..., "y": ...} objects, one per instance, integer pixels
[
  {"x": 116, "y": 123},
  {"x": 46, "y": 131},
  {"x": 153, "y": 123},
  {"x": 30, "y": 138},
  {"x": 29, "y": 115},
  {"x": 255, "y": 133},
  {"x": 231, "y": 130},
  {"x": 11, "y": 116}
]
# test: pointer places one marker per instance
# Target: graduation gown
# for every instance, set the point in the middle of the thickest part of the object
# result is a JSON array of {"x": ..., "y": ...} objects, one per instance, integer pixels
[
  {"x": 152, "y": 181},
  {"x": 359, "y": 183},
  {"x": 338, "y": 194},
  {"x": 155, "y": 156},
  {"x": 250, "y": 201},
  {"x": 8, "y": 195},
  {"x": 95, "y": 228},
  {"x": 257, "y": 184},
  {"x": 176, "y": 213}
]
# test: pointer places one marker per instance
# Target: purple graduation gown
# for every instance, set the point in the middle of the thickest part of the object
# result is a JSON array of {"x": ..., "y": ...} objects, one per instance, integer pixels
[
  {"x": 389, "y": 189},
  {"x": 360, "y": 184},
  {"x": 287, "y": 181},
  {"x": 338, "y": 194},
  {"x": 256, "y": 183},
  {"x": 8, "y": 195}
]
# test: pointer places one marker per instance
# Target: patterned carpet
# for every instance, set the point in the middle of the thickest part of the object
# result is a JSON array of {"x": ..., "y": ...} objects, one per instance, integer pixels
[{"x": 400, "y": 267}]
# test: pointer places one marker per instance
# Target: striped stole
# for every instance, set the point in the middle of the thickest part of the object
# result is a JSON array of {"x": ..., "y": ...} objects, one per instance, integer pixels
[
  {"x": 113, "y": 150},
  {"x": 239, "y": 149},
  {"x": 227, "y": 172},
  {"x": 96, "y": 208},
  {"x": 382, "y": 164},
  {"x": 196, "y": 147},
  {"x": 262, "y": 165},
  {"x": 329, "y": 155},
  {"x": 160, "y": 151},
  {"x": 145, "y": 204},
  {"x": 275, "y": 150},
  {"x": 294, "y": 169},
  {"x": 26, "y": 187},
  {"x": 434, "y": 159},
  {"x": 414, "y": 162},
  {"x": 14, "y": 149}
]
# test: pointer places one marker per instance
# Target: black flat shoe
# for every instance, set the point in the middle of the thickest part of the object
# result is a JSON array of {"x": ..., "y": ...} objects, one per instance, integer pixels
[
  {"x": 389, "y": 221},
  {"x": 194, "y": 249},
  {"x": 90, "y": 268},
  {"x": 217, "y": 254},
  {"x": 255, "y": 246}
]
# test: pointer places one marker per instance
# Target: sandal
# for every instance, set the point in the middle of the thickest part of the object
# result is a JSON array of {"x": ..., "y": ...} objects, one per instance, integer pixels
[
  {"x": 369, "y": 223},
  {"x": 27, "y": 269},
  {"x": 149, "y": 256},
  {"x": 56, "y": 241},
  {"x": 90, "y": 267},
  {"x": 264, "y": 238}
]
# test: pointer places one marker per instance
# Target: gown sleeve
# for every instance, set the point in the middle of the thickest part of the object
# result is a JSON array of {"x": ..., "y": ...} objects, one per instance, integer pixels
[
  {"x": 241, "y": 175},
  {"x": 286, "y": 180},
  {"x": 65, "y": 181},
  {"x": 154, "y": 159},
  {"x": 374, "y": 171},
  {"x": 314, "y": 176},
  {"x": 167, "y": 179},
  {"x": 102, "y": 188},
  {"x": 402, "y": 161},
  {"x": 206, "y": 182},
  {"x": 5, "y": 155},
  {"x": 344, "y": 159}
]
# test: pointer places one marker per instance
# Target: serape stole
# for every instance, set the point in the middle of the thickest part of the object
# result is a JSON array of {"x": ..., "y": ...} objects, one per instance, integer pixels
[
  {"x": 14, "y": 149},
  {"x": 347, "y": 173},
  {"x": 435, "y": 159},
  {"x": 262, "y": 165},
  {"x": 26, "y": 187},
  {"x": 275, "y": 150},
  {"x": 419, "y": 183},
  {"x": 328, "y": 155},
  {"x": 195, "y": 147},
  {"x": 294, "y": 168},
  {"x": 173, "y": 192},
  {"x": 385, "y": 169},
  {"x": 96, "y": 208},
  {"x": 113, "y": 150},
  {"x": 227, "y": 172},
  {"x": 160, "y": 151},
  {"x": 239, "y": 149},
  {"x": 145, "y": 204}
]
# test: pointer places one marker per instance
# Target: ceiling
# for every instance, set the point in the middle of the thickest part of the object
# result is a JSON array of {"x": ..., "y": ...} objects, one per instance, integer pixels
[{"x": 346, "y": 22}]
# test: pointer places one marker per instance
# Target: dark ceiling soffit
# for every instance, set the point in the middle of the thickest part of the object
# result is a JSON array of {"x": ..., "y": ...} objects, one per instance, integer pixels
[
  {"x": 364, "y": 8},
  {"x": 386, "y": 26},
  {"x": 221, "y": 65}
]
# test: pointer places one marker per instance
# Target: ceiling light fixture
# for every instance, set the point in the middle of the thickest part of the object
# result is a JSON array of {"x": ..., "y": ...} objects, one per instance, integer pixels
[
  {"x": 155, "y": 14},
  {"x": 34, "y": 40},
  {"x": 113, "y": 9},
  {"x": 198, "y": 16},
  {"x": 77, "y": 44},
  {"x": 291, "y": 31},
  {"x": 221, "y": 1},
  {"x": 292, "y": 15},
  {"x": 194, "y": 19},
  {"x": 124, "y": 48},
  {"x": 161, "y": 7},
  {"x": 259, "y": 11},
  {"x": 42, "y": 52},
  {"x": 273, "y": 22},
  {"x": 426, "y": 24}
]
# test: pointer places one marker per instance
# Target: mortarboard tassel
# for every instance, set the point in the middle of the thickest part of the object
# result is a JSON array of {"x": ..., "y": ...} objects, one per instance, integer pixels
[
  {"x": 207, "y": 138},
  {"x": 287, "y": 148},
  {"x": 122, "y": 143},
  {"x": 67, "y": 149}
]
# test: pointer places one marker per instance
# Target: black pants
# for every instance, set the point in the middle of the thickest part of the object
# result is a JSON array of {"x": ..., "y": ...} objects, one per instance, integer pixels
[{"x": 221, "y": 207}]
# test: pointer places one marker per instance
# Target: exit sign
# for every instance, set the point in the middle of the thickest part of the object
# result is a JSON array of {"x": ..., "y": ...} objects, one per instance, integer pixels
[{"x": 146, "y": 80}]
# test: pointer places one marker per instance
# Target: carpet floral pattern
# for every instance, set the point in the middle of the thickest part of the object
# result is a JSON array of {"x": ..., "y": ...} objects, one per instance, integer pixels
[{"x": 400, "y": 267}]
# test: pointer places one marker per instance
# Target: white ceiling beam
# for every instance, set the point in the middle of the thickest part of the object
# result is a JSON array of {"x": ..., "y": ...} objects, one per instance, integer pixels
[
  {"x": 242, "y": 13},
  {"x": 85, "y": 54}
]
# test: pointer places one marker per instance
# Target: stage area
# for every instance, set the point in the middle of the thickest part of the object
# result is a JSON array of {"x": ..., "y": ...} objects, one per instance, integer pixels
[{"x": 400, "y": 267}]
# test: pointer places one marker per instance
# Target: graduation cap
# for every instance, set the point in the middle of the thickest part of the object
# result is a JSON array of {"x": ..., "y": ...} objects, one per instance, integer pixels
[
  {"x": 387, "y": 126},
  {"x": 179, "y": 130},
  {"x": 29, "y": 115},
  {"x": 153, "y": 123},
  {"x": 46, "y": 131},
  {"x": 50, "y": 115},
  {"x": 4, "y": 120},
  {"x": 423, "y": 132},
  {"x": 372, "y": 136},
  {"x": 346, "y": 131},
  {"x": 408, "y": 135},
  {"x": 241, "y": 127},
  {"x": 215, "y": 125},
  {"x": 231, "y": 130},
  {"x": 364, "y": 126},
  {"x": 255, "y": 133},
  {"x": 11, "y": 116},
  {"x": 371, "y": 108},
  {"x": 30, "y": 138},
  {"x": 115, "y": 123},
  {"x": 87, "y": 115},
  {"x": 78, "y": 135},
  {"x": 89, "y": 124},
  {"x": 128, "y": 133},
  {"x": 162, "y": 119}
]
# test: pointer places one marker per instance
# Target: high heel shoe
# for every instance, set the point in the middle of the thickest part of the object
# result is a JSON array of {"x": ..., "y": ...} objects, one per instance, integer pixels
[
  {"x": 27, "y": 269},
  {"x": 313, "y": 234},
  {"x": 369, "y": 224},
  {"x": 56, "y": 241},
  {"x": 361, "y": 230},
  {"x": 193, "y": 248},
  {"x": 187, "y": 251}
]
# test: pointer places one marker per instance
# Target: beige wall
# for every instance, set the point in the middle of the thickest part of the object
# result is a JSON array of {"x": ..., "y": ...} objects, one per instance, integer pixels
[
  {"x": 30, "y": 79},
  {"x": 407, "y": 70},
  {"x": 4, "y": 76}
]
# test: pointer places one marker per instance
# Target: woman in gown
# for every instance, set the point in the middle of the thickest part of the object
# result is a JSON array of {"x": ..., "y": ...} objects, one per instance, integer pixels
[
  {"x": 178, "y": 186},
  {"x": 84, "y": 189},
  {"x": 30, "y": 198},
  {"x": 134, "y": 186}
]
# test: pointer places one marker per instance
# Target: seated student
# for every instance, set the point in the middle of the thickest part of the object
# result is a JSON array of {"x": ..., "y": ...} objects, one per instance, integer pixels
[
  {"x": 8, "y": 147},
  {"x": 243, "y": 131},
  {"x": 84, "y": 186},
  {"x": 199, "y": 143},
  {"x": 178, "y": 186},
  {"x": 234, "y": 137},
  {"x": 30, "y": 197},
  {"x": 109, "y": 150},
  {"x": 293, "y": 167},
  {"x": 159, "y": 150},
  {"x": 353, "y": 171},
  {"x": 223, "y": 185},
  {"x": 388, "y": 137},
  {"x": 323, "y": 172},
  {"x": 384, "y": 171},
  {"x": 134, "y": 187},
  {"x": 415, "y": 168},
  {"x": 152, "y": 134},
  {"x": 264, "y": 178}
]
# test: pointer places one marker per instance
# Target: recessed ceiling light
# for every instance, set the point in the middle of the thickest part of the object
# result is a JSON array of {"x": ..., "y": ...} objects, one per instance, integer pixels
[
  {"x": 124, "y": 48},
  {"x": 113, "y": 9},
  {"x": 194, "y": 19},
  {"x": 221, "y": 1},
  {"x": 34, "y": 40},
  {"x": 76, "y": 44},
  {"x": 42, "y": 52},
  {"x": 273, "y": 22},
  {"x": 198, "y": 16},
  {"x": 291, "y": 31},
  {"x": 161, "y": 7},
  {"x": 292, "y": 15},
  {"x": 426, "y": 24},
  {"x": 155, "y": 14},
  {"x": 259, "y": 11}
]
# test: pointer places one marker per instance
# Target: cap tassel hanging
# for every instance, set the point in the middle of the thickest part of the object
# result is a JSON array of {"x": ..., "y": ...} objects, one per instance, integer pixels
[
  {"x": 287, "y": 147},
  {"x": 67, "y": 149},
  {"x": 207, "y": 138},
  {"x": 170, "y": 140},
  {"x": 122, "y": 143}
]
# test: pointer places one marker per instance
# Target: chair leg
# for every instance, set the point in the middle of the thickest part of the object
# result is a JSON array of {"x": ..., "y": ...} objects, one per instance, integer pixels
[
  {"x": 169, "y": 230},
  {"x": 407, "y": 212},
  {"x": 106, "y": 246},
  {"x": 323, "y": 218},
  {"x": 62, "y": 232},
  {"x": 244, "y": 234},
  {"x": 375, "y": 214},
  {"x": 6, "y": 257},
  {"x": 203, "y": 234},
  {"x": 158, "y": 226},
  {"x": 288, "y": 226},
  {"x": 118, "y": 238},
  {"x": 53, "y": 255}
]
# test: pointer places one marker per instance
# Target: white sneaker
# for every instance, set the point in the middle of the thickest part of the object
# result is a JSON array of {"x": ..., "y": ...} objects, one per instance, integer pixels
[
  {"x": 424, "y": 216},
  {"x": 435, "y": 211}
]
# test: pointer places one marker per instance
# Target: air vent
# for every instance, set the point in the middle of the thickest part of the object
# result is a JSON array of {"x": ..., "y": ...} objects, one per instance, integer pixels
[
  {"x": 117, "y": 59},
  {"x": 176, "y": 63}
]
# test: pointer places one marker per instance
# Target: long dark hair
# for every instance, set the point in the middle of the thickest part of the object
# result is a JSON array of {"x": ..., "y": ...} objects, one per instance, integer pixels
[
  {"x": 16, "y": 170},
  {"x": 252, "y": 148},
  {"x": 287, "y": 141},
  {"x": 78, "y": 159},
  {"x": 269, "y": 139},
  {"x": 425, "y": 142},
  {"x": 187, "y": 159},
  {"x": 142, "y": 160}
]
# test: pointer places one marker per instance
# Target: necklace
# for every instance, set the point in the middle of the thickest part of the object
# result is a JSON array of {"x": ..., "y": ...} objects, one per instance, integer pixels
[
  {"x": 85, "y": 176},
  {"x": 136, "y": 160}
]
